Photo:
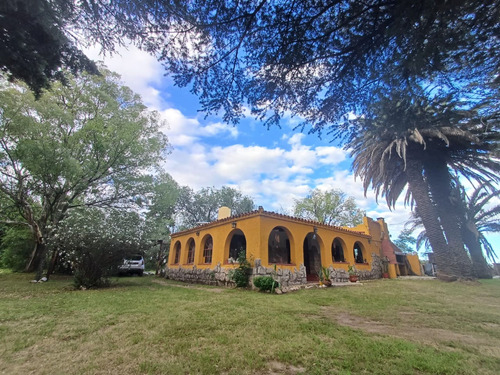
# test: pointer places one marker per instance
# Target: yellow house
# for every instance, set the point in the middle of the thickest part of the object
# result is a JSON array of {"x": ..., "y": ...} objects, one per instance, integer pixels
[{"x": 298, "y": 248}]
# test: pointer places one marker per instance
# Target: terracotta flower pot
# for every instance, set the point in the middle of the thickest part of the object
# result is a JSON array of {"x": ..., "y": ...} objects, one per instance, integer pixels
[
  {"x": 385, "y": 275},
  {"x": 353, "y": 278}
]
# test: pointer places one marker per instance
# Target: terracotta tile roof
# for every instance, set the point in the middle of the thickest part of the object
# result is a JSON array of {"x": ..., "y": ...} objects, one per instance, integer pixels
[{"x": 276, "y": 215}]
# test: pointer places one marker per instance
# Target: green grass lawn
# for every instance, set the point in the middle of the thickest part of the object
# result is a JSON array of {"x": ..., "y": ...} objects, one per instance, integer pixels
[{"x": 154, "y": 326}]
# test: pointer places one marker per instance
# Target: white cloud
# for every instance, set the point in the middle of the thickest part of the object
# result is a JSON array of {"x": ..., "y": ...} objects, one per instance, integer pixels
[
  {"x": 273, "y": 176},
  {"x": 138, "y": 69}
]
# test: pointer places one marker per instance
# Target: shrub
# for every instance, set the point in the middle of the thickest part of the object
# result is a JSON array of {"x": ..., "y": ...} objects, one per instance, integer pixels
[
  {"x": 241, "y": 275},
  {"x": 16, "y": 247},
  {"x": 264, "y": 283},
  {"x": 94, "y": 267}
]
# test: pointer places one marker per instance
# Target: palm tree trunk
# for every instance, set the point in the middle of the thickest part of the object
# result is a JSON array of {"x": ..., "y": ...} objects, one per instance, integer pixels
[
  {"x": 447, "y": 269},
  {"x": 449, "y": 211},
  {"x": 479, "y": 264}
]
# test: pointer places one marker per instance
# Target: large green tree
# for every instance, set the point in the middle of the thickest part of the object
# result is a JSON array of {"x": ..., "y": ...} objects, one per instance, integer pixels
[
  {"x": 88, "y": 143},
  {"x": 332, "y": 207},
  {"x": 196, "y": 207}
]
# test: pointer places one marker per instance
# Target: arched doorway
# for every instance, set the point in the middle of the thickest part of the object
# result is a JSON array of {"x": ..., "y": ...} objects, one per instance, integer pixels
[
  {"x": 237, "y": 245},
  {"x": 279, "y": 247},
  {"x": 312, "y": 257}
]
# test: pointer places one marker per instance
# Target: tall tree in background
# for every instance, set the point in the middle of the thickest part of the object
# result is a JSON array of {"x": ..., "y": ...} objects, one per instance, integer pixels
[
  {"x": 89, "y": 143},
  {"x": 194, "y": 208},
  {"x": 405, "y": 241},
  {"x": 332, "y": 207}
]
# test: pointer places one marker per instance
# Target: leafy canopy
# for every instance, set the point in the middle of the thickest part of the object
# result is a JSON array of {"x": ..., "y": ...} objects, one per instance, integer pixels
[
  {"x": 332, "y": 207},
  {"x": 202, "y": 206},
  {"x": 89, "y": 143}
]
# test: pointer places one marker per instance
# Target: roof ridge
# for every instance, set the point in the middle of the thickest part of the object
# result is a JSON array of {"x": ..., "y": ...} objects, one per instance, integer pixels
[{"x": 260, "y": 210}]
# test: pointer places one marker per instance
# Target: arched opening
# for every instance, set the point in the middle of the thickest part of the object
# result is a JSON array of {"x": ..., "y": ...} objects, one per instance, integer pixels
[
  {"x": 312, "y": 257},
  {"x": 279, "y": 247},
  {"x": 177, "y": 252},
  {"x": 358, "y": 253},
  {"x": 338, "y": 250},
  {"x": 190, "y": 255},
  {"x": 237, "y": 246},
  {"x": 208, "y": 245}
]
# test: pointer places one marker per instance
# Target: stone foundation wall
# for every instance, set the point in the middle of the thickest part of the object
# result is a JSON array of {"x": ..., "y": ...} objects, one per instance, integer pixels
[{"x": 221, "y": 276}]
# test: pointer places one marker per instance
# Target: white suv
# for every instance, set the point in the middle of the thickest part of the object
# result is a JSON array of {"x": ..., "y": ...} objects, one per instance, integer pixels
[{"x": 132, "y": 264}]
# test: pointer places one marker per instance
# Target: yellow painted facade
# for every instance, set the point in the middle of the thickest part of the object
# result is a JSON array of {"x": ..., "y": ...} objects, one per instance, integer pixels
[
  {"x": 415, "y": 264},
  {"x": 291, "y": 244}
]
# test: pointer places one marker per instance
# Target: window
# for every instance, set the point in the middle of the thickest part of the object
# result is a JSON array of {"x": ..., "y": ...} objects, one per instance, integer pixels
[
  {"x": 337, "y": 251},
  {"x": 207, "y": 250},
  {"x": 177, "y": 252},
  {"x": 279, "y": 246},
  {"x": 190, "y": 258},
  {"x": 358, "y": 253}
]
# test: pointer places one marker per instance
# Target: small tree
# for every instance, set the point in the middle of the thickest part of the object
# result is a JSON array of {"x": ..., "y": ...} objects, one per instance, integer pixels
[{"x": 405, "y": 241}]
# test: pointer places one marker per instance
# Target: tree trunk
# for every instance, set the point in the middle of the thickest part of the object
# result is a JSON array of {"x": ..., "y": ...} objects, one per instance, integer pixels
[
  {"x": 34, "y": 258},
  {"x": 450, "y": 213},
  {"x": 53, "y": 262},
  {"x": 447, "y": 269},
  {"x": 479, "y": 263},
  {"x": 42, "y": 250}
]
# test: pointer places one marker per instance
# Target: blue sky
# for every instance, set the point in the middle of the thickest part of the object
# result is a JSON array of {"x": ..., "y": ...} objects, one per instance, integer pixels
[{"x": 273, "y": 166}]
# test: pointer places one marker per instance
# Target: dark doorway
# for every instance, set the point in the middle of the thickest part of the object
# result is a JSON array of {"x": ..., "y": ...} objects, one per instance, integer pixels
[
  {"x": 312, "y": 257},
  {"x": 238, "y": 245}
]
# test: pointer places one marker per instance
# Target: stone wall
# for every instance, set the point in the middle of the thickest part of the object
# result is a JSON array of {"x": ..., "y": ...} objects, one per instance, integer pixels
[{"x": 221, "y": 276}]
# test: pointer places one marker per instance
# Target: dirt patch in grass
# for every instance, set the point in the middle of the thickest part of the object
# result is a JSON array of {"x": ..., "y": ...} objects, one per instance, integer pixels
[
  {"x": 278, "y": 368},
  {"x": 190, "y": 286},
  {"x": 409, "y": 331}
]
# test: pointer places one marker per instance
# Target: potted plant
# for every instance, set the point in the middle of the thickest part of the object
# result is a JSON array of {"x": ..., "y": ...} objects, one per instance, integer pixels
[
  {"x": 353, "y": 274},
  {"x": 326, "y": 276},
  {"x": 385, "y": 268}
]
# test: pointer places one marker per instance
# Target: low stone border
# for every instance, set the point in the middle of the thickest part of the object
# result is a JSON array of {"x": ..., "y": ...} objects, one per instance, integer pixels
[{"x": 220, "y": 275}]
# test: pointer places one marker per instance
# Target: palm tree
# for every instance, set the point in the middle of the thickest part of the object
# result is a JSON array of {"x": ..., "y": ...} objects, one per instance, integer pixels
[
  {"x": 479, "y": 217},
  {"x": 410, "y": 141}
]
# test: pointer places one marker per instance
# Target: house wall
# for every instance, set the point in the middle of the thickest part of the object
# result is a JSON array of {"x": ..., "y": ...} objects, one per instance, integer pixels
[
  {"x": 414, "y": 263},
  {"x": 257, "y": 229}
]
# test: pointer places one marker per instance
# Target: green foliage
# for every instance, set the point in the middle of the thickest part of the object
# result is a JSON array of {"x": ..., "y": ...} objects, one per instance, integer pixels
[
  {"x": 332, "y": 207},
  {"x": 322, "y": 60},
  {"x": 202, "y": 206},
  {"x": 265, "y": 283},
  {"x": 241, "y": 275},
  {"x": 351, "y": 270},
  {"x": 95, "y": 241},
  {"x": 326, "y": 273},
  {"x": 34, "y": 45},
  {"x": 405, "y": 241},
  {"x": 94, "y": 266},
  {"x": 89, "y": 143},
  {"x": 16, "y": 246}
]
